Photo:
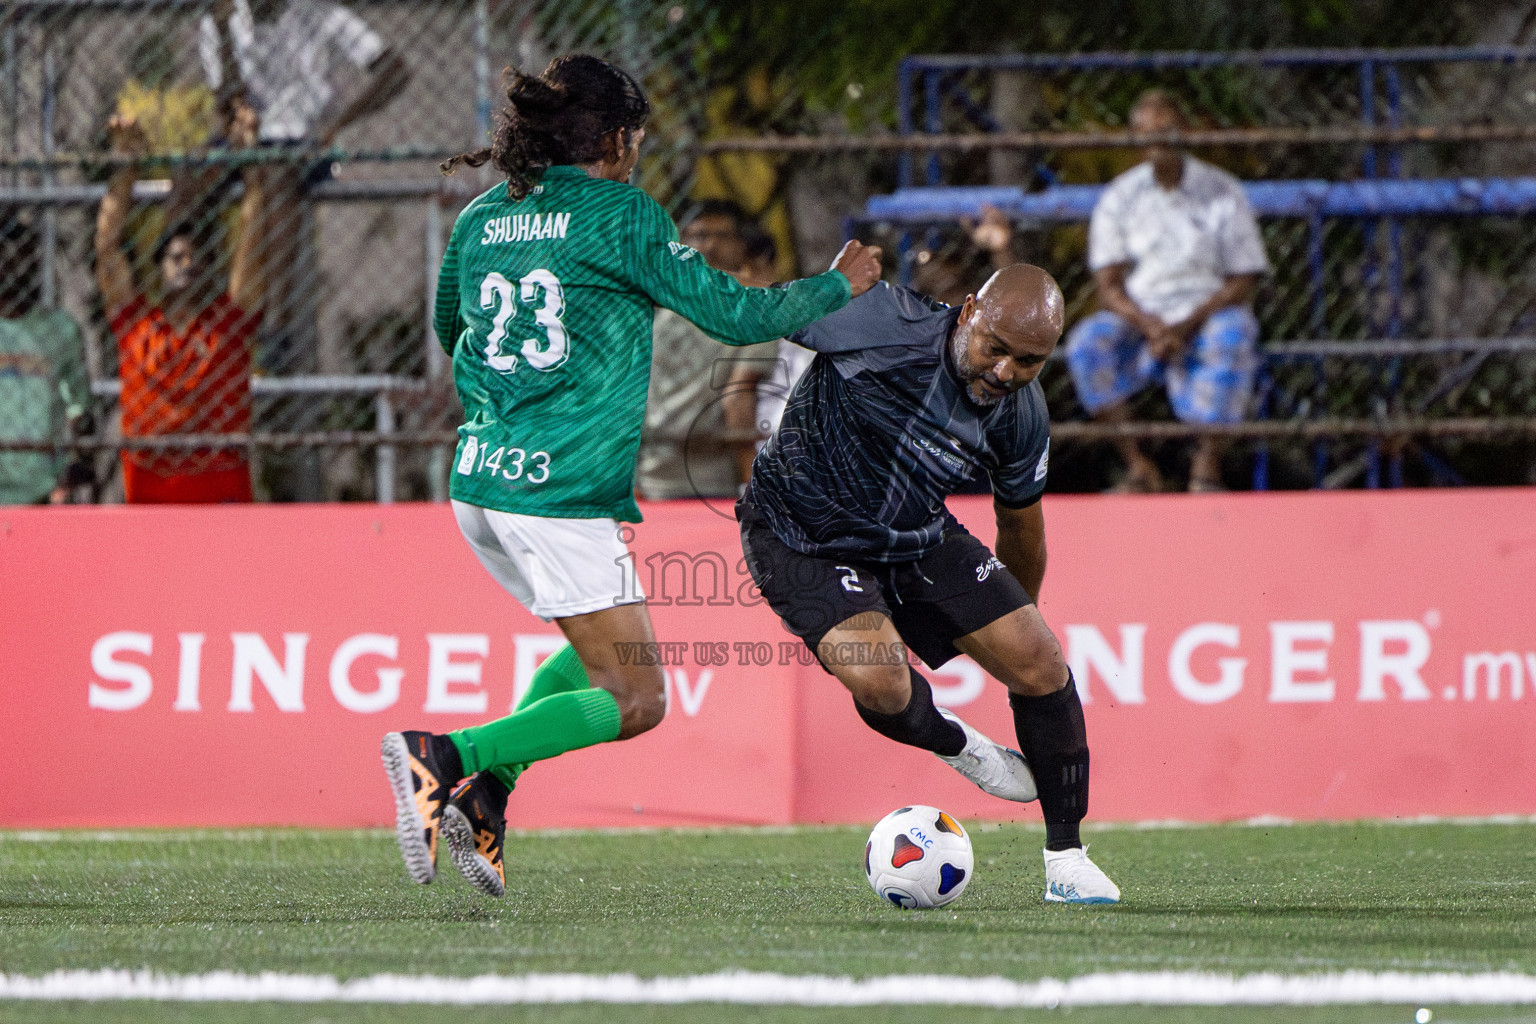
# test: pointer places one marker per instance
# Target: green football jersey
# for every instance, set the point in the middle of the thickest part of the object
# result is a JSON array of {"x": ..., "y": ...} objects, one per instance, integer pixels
[{"x": 545, "y": 306}]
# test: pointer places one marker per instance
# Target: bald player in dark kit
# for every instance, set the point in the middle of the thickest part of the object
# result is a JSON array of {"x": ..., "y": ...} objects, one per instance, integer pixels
[{"x": 846, "y": 533}]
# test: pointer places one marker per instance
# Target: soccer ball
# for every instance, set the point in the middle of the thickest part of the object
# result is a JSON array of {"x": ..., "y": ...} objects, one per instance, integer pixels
[{"x": 918, "y": 857}]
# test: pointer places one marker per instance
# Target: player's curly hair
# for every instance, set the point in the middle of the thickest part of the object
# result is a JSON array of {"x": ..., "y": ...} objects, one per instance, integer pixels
[{"x": 558, "y": 117}]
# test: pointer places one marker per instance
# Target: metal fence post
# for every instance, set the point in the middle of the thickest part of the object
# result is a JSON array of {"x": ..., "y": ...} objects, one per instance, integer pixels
[
  {"x": 384, "y": 459},
  {"x": 482, "y": 73},
  {"x": 933, "y": 120},
  {"x": 1370, "y": 270},
  {"x": 904, "y": 119},
  {"x": 50, "y": 291},
  {"x": 436, "y": 358},
  {"x": 12, "y": 98},
  {"x": 1394, "y": 261}
]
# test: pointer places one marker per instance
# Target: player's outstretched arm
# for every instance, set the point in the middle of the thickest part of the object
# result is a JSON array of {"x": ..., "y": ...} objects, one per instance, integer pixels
[
  {"x": 676, "y": 277},
  {"x": 1021, "y": 544}
]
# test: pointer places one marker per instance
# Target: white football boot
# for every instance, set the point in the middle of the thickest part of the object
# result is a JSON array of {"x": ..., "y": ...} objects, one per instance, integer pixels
[
  {"x": 992, "y": 766},
  {"x": 1070, "y": 877}
]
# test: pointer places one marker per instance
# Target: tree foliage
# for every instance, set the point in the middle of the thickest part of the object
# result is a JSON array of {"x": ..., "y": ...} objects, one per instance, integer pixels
[{"x": 861, "y": 41}]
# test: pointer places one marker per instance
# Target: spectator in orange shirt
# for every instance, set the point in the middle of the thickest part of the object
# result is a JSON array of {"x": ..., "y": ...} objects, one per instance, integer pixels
[{"x": 184, "y": 351}]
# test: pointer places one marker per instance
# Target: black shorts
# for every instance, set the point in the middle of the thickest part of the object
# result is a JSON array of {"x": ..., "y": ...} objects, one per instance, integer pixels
[{"x": 956, "y": 589}]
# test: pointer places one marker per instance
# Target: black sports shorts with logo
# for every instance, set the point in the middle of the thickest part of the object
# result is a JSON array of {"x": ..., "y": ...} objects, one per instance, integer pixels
[{"x": 956, "y": 589}]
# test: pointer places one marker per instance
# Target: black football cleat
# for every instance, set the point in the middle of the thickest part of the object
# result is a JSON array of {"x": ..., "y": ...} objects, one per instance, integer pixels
[
  {"x": 475, "y": 825},
  {"x": 420, "y": 783}
]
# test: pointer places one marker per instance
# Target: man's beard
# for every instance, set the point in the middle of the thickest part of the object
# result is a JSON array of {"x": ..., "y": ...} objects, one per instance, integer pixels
[{"x": 969, "y": 376}]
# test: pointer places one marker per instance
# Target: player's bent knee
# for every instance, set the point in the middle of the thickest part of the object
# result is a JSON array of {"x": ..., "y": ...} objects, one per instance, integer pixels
[
  {"x": 641, "y": 697},
  {"x": 1039, "y": 679},
  {"x": 1036, "y": 665},
  {"x": 640, "y": 712},
  {"x": 643, "y": 715},
  {"x": 1046, "y": 670},
  {"x": 886, "y": 689}
]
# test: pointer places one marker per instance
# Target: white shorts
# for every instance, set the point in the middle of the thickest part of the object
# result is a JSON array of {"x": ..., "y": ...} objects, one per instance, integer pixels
[{"x": 554, "y": 567}]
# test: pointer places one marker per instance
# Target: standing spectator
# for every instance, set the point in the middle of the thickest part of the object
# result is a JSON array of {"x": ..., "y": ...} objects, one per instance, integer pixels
[
  {"x": 310, "y": 68},
  {"x": 285, "y": 56},
  {"x": 43, "y": 385},
  {"x": 184, "y": 355},
  {"x": 685, "y": 451},
  {"x": 1176, "y": 254}
]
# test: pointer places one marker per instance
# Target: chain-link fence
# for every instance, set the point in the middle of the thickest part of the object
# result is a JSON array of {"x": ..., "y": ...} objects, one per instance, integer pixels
[
  {"x": 356, "y": 102},
  {"x": 1427, "y": 257},
  {"x": 133, "y": 130}
]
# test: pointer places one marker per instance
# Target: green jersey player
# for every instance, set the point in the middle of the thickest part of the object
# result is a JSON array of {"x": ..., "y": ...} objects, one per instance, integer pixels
[{"x": 544, "y": 302}]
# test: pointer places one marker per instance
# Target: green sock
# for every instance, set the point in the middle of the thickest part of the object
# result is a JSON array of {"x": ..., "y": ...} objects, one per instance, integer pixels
[
  {"x": 558, "y": 673},
  {"x": 545, "y": 728},
  {"x": 561, "y": 672}
]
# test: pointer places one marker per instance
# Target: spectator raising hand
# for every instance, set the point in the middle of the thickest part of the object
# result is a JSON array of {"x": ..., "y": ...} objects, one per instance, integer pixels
[
  {"x": 184, "y": 357},
  {"x": 993, "y": 234}
]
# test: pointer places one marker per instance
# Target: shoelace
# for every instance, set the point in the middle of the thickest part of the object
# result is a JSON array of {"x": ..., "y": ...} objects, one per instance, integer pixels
[{"x": 1073, "y": 870}]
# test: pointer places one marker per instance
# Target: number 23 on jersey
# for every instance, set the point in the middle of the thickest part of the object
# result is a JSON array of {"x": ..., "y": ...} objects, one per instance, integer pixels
[{"x": 499, "y": 294}]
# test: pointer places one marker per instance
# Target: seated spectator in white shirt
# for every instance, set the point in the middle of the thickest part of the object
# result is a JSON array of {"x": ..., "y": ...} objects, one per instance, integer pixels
[{"x": 1176, "y": 254}]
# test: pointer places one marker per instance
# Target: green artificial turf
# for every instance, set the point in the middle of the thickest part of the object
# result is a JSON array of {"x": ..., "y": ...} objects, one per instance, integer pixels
[{"x": 1231, "y": 899}]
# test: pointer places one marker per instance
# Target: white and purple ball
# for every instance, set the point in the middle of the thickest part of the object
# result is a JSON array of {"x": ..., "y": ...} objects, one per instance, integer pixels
[{"x": 918, "y": 857}]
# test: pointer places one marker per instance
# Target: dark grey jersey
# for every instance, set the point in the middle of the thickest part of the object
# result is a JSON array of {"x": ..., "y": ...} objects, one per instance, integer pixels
[{"x": 880, "y": 430}]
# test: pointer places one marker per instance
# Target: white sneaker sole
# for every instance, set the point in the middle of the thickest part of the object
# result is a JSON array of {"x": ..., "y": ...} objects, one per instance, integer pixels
[
  {"x": 455, "y": 828},
  {"x": 1051, "y": 897},
  {"x": 408, "y": 824}
]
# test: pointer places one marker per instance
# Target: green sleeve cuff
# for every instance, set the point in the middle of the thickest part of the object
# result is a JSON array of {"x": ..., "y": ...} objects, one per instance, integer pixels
[{"x": 844, "y": 286}]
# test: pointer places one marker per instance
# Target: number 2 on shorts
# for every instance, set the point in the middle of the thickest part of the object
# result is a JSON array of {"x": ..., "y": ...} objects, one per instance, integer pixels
[{"x": 496, "y": 292}]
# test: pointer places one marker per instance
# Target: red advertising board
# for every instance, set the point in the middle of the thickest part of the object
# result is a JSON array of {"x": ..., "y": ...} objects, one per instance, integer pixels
[{"x": 1299, "y": 655}]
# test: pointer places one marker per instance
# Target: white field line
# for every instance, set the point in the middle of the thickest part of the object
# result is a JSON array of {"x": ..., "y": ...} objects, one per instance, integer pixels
[{"x": 1164, "y": 988}]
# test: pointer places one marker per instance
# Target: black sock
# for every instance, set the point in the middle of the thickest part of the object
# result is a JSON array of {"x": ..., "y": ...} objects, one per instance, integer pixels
[
  {"x": 1054, "y": 740},
  {"x": 920, "y": 724}
]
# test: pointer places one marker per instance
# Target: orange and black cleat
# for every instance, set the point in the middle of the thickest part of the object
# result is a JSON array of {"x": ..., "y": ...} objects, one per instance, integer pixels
[
  {"x": 420, "y": 781},
  {"x": 475, "y": 825}
]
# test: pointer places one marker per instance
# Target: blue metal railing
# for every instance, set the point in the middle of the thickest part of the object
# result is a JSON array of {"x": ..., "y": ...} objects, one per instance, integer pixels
[
  {"x": 1298, "y": 198},
  {"x": 1310, "y": 200}
]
